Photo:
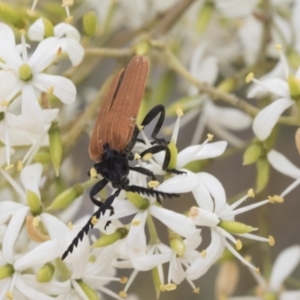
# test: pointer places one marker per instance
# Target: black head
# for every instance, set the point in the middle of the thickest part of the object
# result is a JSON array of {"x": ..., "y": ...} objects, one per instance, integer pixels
[{"x": 113, "y": 166}]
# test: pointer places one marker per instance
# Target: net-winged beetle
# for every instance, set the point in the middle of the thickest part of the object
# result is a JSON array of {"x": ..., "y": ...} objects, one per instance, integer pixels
[{"x": 114, "y": 136}]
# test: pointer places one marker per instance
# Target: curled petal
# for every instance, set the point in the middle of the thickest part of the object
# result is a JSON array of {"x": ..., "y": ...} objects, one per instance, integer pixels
[
  {"x": 201, "y": 264},
  {"x": 74, "y": 50},
  {"x": 280, "y": 163},
  {"x": 284, "y": 265},
  {"x": 210, "y": 194},
  {"x": 267, "y": 118},
  {"x": 65, "y": 29},
  {"x": 36, "y": 31}
]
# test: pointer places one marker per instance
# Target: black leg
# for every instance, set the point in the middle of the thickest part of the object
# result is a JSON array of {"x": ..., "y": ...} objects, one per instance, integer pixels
[
  {"x": 89, "y": 225},
  {"x": 158, "y": 109},
  {"x": 149, "y": 192},
  {"x": 96, "y": 189},
  {"x": 143, "y": 171}
]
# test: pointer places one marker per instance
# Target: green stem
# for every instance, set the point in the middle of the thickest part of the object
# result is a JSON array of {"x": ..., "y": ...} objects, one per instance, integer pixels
[{"x": 154, "y": 239}]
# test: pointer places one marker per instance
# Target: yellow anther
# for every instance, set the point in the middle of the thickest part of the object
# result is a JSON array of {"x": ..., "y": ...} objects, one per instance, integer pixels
[
  {"x": 50, "y": 90},
  {"x": 196, "y": 290},
  {"x": 135, "y": 222},
  {"x": 179, "y": 112},
  {"x": 276, "y": 199},
  {"x": 278, "y": 47},
  {"x": 4, "y": 103},
  {"x": 257, "y": 270},
  {"x": 170, "y": 287},
  {"x": 162, "y": 288},
  {"x": 147, "y": 156},
  {"x": 123, "y": 280},
  {"x": 153, "y": 183},
  {"x": 248, "y": 258},
  {"x": 249, "y": 77},
  {"x": 271, "y": 240},
  {"x": 137, "y": 156},
  {"x": 67, "y": 3},
  {"x": 94, "y": 220},
  {"x": 210, "y": 137},
  {"x": 203, "y": 253},
  {"x": 9, "y": 167},
  {"x": 9, "y": 295},
  {"x": 70, "y": 225},
  {"x": 250, "y": 193},
  {"x": 238, "y": 245},
  {"x": 123, "y": 294},
  {"x": 93, "y": 173},
  {"x": 22, "y": 31},
  {"x": 167, "y": 130},
  {"x": 19, "y": 166},
  {"x": 193, "y": 212},
  {"x": 36, "y": 221},
  {"x": 59, "y": 51},
  {"x": 140, "y": 127}
]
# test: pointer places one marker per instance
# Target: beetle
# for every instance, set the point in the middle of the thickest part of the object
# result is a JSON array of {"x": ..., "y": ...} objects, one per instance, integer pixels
[{"x": 114, "y": 136}]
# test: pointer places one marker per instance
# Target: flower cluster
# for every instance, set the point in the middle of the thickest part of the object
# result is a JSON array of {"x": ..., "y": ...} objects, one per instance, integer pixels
[{"x": 47, "y": 67}]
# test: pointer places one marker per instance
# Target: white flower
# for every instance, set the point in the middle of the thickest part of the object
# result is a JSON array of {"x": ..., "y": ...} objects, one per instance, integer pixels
[
  {"x": 68, "y": 35},
  {"x": 219, "y": 120},
  {"x": 25, "y": 74},
  {"x": 215, "y": 213},
  {"x": 280, "y": 163},
  {"x": 196, "y": 152},
  {"x": 267, "y": 118},
  {"x": 284, "y": 265}
]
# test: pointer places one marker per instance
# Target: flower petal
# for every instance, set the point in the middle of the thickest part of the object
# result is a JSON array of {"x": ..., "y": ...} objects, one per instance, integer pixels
[
  {"x": 210, "y": 194},
  {"x": 202, "y": 217},
  {"x": 31, "y": 176},
  {"x": 74, "y": 50},
  {"x": 284, "y": 265},
  {"x": 213, "y": 252},
  {"x": 183, "y": 183},
  {"x": 36, "y": 30},
  {"x": 267, "y": 118},
  {"x": 197, "y": 152},
  {"x": 175, "y": 221},
  {"x": 12, "y": 233},
  {"x": 280, "y": 163},
  {"x": 64, "y": 88},
  {"x": 44, "y": 55},
  {"x": 65, "y": 29}
]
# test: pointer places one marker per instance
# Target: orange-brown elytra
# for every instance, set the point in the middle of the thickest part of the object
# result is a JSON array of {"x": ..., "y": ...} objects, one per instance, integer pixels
[{"x": 114, "y": 136}]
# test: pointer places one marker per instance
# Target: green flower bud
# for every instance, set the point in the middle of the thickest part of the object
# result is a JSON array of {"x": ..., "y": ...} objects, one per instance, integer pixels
[
  {"x": 11, "y": 15},
  {"x": 204, "y": 17},
  {"x": 142, "y": 48},
  {"x": 67, "y": 197},
  {"x": 137, "y": 200},
  {"x": 270, "y": 296},
  {"x": 227, "y": 85},
  {"x": 49, "y": 31},
  {"x": 156, "y": 281},
  {"x": 236, "y": 227},
  {"x": 90, "y": 23},
  {"x": 34, "y": 202},
  {"x": 177, "y": 244},
  {"x": 173, "y": 151},
  {"x": 252, "y": 154},
  {"x": 45, "y": 273},
  {"x": 6, "y": 271},
  {"x": 42, "y": 157},
  {"x": 263, "y": 174},
  {"x": 109, "y": 239},
  {"x": 294, "y": 87},
  {"x": 56, "y": 150},
  {"x": 90, "y": 293},
  {"x": 25, "y": 72}
]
